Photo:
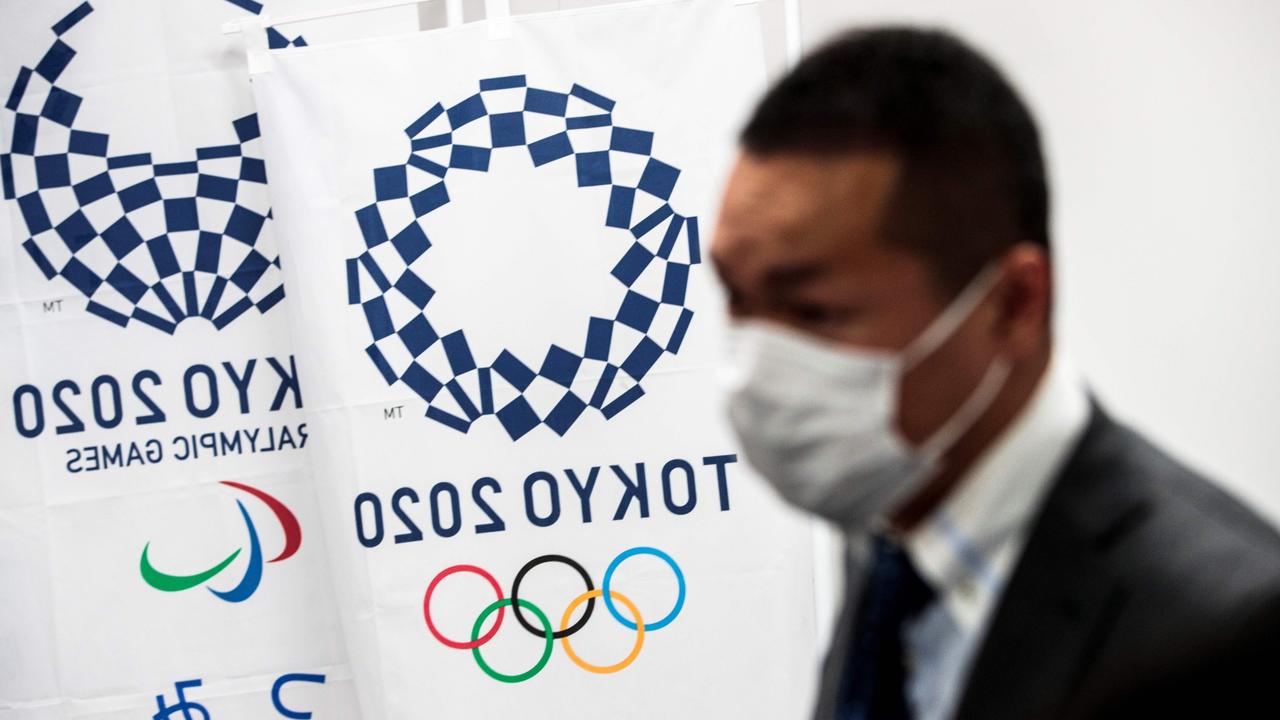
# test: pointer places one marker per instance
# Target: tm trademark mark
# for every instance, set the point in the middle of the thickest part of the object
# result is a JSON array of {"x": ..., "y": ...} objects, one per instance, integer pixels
[
  {"x": 395, "y": 412},
  {"x": 52, "y": 306}
]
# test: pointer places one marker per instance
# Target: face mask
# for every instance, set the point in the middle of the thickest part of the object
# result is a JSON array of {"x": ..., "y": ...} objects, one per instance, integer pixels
[{"x": 817, "y": 418}]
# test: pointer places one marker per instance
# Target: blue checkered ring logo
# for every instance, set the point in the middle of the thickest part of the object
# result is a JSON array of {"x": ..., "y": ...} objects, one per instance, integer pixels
[
  {"x": 156, "y": 242},
  {"x": 555, "y": 389}
]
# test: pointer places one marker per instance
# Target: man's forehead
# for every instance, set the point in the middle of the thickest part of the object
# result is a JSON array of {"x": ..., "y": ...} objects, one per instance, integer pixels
[
  {"x": 793, "y": 223},
  {"x": 804, "y": 196}
]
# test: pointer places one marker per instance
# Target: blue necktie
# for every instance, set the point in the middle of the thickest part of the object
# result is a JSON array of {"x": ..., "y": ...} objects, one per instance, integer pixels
[{"x": 873, "y": 687}]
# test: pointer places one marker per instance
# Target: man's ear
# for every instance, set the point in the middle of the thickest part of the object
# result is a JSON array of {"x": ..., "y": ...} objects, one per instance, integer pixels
[{"x": 1024, "y": 295}]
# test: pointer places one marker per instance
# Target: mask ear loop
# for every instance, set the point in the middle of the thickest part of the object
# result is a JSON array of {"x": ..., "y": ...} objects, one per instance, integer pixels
[
  {"x": 937, "y": 333},
  {"x": 978, "y": 402},
  {"x": 946, "y": 324}
]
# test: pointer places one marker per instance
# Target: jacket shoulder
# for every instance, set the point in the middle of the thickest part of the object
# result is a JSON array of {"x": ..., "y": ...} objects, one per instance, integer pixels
[
  {"x": 1190, "y": 528},
  {"x": 1197, "y": 574}
]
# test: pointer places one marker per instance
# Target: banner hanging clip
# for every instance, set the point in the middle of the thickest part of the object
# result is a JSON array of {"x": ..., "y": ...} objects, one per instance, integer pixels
[
  {"x": 253, "y": 33},
  {"x": 497, "y": 15}
]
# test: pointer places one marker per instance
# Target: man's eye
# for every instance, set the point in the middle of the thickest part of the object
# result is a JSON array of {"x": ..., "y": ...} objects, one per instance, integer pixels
[{"x": 818, "y": 314}]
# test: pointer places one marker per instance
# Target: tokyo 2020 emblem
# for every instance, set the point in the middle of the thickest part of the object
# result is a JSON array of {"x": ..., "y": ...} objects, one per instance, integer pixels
[{"x": 604, "y": 372}]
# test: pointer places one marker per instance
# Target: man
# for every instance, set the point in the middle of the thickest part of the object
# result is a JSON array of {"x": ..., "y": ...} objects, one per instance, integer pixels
[{"x": 1013, "y": 551}]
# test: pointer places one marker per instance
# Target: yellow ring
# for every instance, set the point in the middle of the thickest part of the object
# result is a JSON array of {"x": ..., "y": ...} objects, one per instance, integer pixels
[{"x": 602, "y": 669}]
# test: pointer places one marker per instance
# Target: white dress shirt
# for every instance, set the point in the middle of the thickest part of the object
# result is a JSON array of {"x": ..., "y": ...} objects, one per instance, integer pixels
[{"x": 966, "y": 548}]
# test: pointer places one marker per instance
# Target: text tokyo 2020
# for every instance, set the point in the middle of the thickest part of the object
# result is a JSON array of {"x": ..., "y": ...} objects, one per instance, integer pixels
[{"x": 612, "y": 492}]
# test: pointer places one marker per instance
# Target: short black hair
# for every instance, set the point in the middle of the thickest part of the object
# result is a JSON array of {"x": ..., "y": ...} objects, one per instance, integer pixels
[{"x": 973, "y": 177}]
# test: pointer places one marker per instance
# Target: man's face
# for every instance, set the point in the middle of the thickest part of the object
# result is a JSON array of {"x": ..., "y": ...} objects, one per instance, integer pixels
[{"x": 798, "y": 243}]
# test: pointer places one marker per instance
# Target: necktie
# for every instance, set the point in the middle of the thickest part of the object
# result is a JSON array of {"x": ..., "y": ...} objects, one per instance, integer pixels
[{"x": 874, "y": 677}]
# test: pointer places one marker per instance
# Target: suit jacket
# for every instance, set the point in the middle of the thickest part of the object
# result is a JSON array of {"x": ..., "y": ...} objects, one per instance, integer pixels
[{"x": 1143, "y": 590}]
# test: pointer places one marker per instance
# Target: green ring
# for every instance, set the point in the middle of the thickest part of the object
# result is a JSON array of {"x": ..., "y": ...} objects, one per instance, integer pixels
[{"x": 546, "y": 653}]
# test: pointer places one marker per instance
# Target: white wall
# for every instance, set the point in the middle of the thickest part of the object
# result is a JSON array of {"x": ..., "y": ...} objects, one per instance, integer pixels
[{"x": 1162, "y": 127}]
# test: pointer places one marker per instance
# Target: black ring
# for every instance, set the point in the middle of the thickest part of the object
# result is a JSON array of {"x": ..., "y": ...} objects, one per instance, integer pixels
[{"x": 515, "y": 588}]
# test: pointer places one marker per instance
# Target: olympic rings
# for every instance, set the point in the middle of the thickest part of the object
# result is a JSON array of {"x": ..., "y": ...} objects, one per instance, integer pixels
[
  {"x": 603, "y": 669},
  {"x": 426, "y": 607},
  {"x": 547, "y": 631},
  {"x": 608, "y": 596},
  {"x": 515, "y": 594},
  {"x": 546, "y": 651}
]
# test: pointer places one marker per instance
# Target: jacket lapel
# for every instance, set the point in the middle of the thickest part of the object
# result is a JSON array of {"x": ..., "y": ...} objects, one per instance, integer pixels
[
  {"x": 835, "y": 668},
  {"x": 1058, "y": 603}
]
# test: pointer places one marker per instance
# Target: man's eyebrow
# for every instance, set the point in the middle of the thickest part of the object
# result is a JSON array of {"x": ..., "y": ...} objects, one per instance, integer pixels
[{"x": 787, "y": 277}]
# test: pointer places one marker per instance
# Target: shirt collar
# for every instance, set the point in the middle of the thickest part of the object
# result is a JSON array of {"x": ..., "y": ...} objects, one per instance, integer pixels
[{"x": 966, "y": 546}]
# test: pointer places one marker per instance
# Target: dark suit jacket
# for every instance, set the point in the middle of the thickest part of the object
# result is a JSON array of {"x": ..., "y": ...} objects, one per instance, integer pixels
[{"x": 1143, "y": 590}]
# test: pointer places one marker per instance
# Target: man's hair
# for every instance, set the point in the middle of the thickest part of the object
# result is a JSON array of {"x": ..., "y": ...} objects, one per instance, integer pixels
[{"x": 972, "y": 179}]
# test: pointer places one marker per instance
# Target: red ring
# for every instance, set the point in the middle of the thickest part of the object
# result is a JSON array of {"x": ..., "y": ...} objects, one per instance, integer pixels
[{"x": 426, "y": 607}]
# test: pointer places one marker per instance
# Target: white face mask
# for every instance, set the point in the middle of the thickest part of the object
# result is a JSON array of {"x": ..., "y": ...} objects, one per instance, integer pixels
[{"x": 817, "y": 419}]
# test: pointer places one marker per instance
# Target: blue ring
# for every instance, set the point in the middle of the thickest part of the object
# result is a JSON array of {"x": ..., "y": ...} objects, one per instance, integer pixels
[{"x": 608, "y": 578}]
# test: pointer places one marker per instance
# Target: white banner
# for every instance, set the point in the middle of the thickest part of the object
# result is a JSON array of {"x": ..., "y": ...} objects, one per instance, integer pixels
[
  {"x": 160, "y": 550},
  {"x": 495, "y": 239}
]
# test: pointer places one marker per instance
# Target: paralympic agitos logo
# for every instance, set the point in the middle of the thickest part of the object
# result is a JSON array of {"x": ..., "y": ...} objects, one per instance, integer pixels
[
  {"x": 248, "y": 583},
  {"x": 544, "y": 629}
]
